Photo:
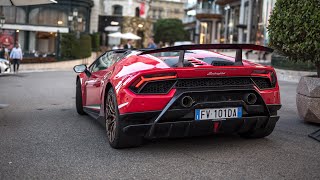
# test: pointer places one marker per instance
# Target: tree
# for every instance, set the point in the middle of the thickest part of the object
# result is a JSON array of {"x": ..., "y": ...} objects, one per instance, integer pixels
[
  {"x": 169, "y": 30},
  {"x": 294, "y": 30}
]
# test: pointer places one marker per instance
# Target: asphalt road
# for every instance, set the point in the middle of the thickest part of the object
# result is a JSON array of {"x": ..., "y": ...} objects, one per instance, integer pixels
[{"x": 42, "y": 137}]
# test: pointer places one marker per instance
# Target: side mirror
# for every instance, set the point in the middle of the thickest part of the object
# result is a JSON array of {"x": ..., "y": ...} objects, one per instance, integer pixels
[{"x": 80, "y": 68}]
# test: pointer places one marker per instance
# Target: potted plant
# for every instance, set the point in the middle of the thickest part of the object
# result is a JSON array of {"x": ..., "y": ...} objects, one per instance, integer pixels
[{"x": 294, "y": 30}]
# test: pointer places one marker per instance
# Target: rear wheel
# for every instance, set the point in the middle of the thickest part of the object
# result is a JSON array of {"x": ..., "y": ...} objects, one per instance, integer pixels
[
  {"x": 116, "y": 137},
  {"x": 79, "y": 104},
  {"x": 259, "y": 132}
]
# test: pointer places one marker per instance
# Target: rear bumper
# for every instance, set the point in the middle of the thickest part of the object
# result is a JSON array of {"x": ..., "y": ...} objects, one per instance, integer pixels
[
  {"x": 176, "y": 120},
  {"x": 196, "y": 128}
]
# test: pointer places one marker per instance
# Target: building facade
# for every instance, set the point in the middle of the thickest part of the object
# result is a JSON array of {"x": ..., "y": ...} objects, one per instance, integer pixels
[
  {"x": 203, "y": 19},
  {"x": 166, "y": 9},
  {"x": 229, "y": 21},
  {"x": 36, "y": 28},
  {"x": 124, "y": 16}
]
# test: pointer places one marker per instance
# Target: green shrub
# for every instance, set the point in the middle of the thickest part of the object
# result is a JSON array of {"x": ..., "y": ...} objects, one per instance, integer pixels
[
  {"x": 73, "y": 48},
  {"x": 95, "y": 41},
  {"x": 68, "y": 41},
  {"x": 85, "y": 47},
  {"x": 294, "y": 29}
]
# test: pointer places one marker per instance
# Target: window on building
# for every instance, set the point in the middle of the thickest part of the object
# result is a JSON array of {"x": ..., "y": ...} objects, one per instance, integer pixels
[
  {"x": 48, "y": 16},
  {"x": 14, "y": 15},
  {"x": 9, "y": 14},
  {"x": 117, "y": 10},
  {"x": 160, "y": 13},
  {"x": 137, "y": 12},
  {"x": 154, "y": 12},
  {"x": 20, "y": 15}
]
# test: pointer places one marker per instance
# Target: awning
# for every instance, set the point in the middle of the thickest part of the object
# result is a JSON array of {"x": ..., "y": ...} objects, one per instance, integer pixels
[
  {"x": 112, "y": 28},
  {"x": 36, "y": 28},
  {"x": 25, "y": 2}
]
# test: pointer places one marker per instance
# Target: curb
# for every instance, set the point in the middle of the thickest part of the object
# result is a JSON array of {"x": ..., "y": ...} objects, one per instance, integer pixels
[
  {"x": 52, "y": 66},
  {"x": 292, "y": 76}
]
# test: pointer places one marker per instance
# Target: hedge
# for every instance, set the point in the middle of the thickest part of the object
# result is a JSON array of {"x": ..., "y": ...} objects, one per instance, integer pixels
[
  {"x": 95, "y": 41},
  {"x": 73, "y": 48}
]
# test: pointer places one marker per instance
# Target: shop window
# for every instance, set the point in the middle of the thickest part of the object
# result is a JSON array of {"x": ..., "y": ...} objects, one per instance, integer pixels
[
  {"x": 205, "y": 32},
  {"x": 20, "y": 15},
  {"x": 46, "y": 16},
  {"x": 117, "y": 10},
  {"x": 9, "y": 13},
  {"x": 45, "y": 43}
]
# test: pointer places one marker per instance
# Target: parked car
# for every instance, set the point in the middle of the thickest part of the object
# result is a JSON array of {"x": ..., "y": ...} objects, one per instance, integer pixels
[
  {"x": 5, "y": 66},
  {"x": 139, "y": 94}
]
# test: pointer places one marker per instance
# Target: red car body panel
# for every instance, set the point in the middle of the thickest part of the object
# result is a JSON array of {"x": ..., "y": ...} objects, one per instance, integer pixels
[{"x": 123, "y": 73}]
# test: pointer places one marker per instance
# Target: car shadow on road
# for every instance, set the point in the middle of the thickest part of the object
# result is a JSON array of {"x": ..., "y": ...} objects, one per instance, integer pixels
[{"x": 12, "y": 75}]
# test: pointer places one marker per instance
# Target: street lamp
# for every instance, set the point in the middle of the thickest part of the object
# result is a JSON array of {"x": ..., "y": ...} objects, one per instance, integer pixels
[
  {"x": 74, "y": 20},
  {"x": 2, "y": 21}
]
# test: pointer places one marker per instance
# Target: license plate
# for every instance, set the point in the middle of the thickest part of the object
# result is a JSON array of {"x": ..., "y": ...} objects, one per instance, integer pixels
[{"x": 218, "y": 113}]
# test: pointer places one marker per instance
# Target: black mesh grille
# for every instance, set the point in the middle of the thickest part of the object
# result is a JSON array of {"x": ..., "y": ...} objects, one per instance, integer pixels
[
  {"x": 162, "y": 87},
  {"x": 262, "y": 83},
  {"x": 213, "y": 82},
  {"x": 157, "y": 87}
]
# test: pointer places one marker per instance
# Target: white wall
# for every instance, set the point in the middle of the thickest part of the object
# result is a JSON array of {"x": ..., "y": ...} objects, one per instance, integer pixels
[{"x": 94, "y": 19}]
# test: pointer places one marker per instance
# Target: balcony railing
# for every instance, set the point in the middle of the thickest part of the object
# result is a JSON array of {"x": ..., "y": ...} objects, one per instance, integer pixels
[
  {"x": 189, "y": 19},
  {"x": 208, "y": 11}
]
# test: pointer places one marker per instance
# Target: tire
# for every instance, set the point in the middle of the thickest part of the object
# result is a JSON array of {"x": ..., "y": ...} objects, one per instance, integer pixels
[
  {"x": 116, "y": 137},
  {"x": 79, "y": 104},
  {"x": 260, "y": 132}
]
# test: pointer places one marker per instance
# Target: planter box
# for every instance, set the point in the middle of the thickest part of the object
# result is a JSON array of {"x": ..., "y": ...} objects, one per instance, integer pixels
[
  {"x": 38, "y": 60},
  {"x": 308, "y": 99}
]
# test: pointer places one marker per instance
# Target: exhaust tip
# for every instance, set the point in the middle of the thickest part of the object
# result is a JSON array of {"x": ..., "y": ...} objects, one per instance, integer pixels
[
  {"x": 250, "y": 98},
  {"x": 187, "y": 101}
]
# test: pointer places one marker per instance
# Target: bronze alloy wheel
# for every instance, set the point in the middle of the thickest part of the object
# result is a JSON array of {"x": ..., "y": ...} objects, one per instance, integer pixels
[{"x": 111, "y": 118}]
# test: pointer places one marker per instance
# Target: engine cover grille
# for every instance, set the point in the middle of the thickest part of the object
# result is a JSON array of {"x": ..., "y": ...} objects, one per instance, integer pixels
[{"x": 213, "y": 82}]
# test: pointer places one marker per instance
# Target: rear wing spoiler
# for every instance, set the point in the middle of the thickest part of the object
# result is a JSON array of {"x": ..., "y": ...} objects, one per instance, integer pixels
[{"x": 183, "y": 48}]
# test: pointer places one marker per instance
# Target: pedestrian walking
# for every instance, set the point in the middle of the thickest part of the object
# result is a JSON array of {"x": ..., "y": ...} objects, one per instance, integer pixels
[
  {"x": 151, "y": 44},
  {"x": 16, "y": 56}
]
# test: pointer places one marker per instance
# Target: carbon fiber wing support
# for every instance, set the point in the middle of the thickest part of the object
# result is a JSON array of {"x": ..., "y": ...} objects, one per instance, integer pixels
[{"x": 183, "y": 48}]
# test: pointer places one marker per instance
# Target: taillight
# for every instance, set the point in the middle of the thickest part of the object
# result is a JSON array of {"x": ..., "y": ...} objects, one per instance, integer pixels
[
  {"x": 260, "y": 71},
  {"x": 155, "y": 77},
  {"x": 273, "y": 79},
  {"x": 260, "y": 76}
]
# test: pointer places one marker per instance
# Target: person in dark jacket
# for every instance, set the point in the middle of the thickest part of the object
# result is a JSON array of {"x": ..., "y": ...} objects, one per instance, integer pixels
[{"x": 128, "y": 45}]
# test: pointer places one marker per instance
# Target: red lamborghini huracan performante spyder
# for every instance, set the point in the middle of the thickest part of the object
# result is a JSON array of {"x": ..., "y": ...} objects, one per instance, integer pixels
[{"x": 178, "y": 91}]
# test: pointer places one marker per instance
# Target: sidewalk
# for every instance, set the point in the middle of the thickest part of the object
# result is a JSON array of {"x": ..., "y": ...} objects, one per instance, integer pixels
[{"x": 53, "y": 66}]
